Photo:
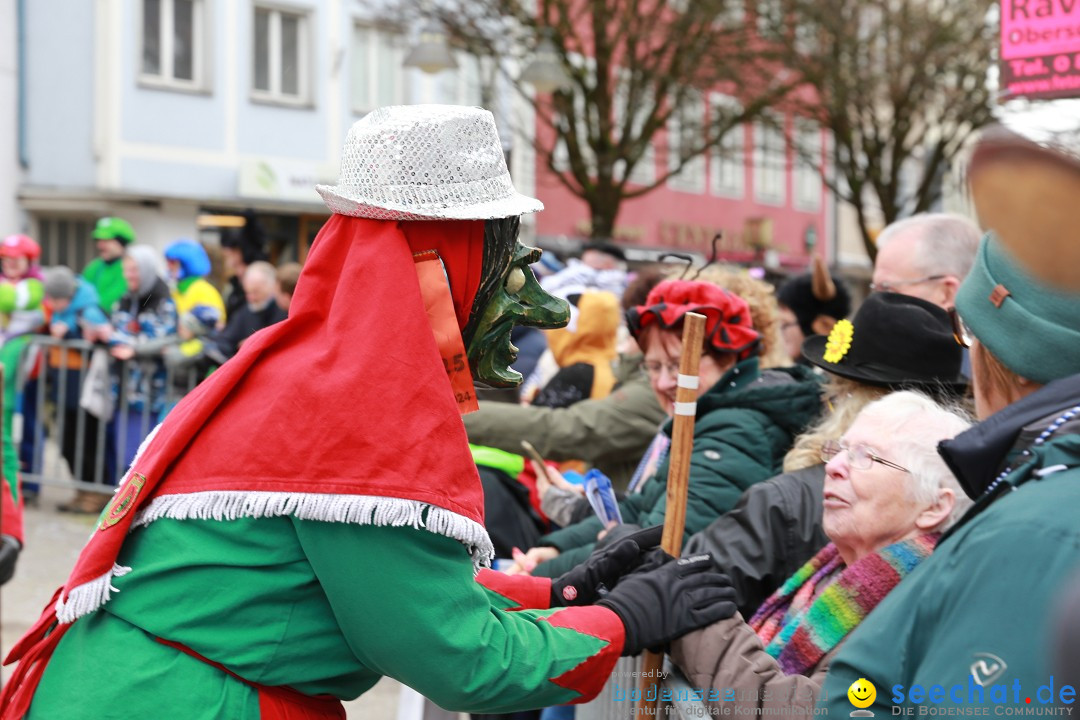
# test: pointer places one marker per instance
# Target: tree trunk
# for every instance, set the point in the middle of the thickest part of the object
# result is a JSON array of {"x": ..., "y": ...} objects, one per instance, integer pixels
[{"x": 603, "y": 210}]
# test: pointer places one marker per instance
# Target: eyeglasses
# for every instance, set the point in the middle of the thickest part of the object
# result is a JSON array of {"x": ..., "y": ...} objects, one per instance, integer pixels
[
  {"x": 892, "y": 286},
  {"x": 653, "y": 369},
  {"x": 960, "y": 331},
  {"x": 860, "y": 456}
]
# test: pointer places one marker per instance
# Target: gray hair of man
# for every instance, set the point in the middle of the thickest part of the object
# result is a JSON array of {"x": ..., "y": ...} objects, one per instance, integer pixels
[
  {"x": 916, "y": 424},
  {"x": 262, "y": 270},
  {"x": 945, "y": 243}
]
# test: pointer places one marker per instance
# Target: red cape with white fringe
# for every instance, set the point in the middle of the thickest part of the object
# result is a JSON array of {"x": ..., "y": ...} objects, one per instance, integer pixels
[{"x": 343, "y": 413}]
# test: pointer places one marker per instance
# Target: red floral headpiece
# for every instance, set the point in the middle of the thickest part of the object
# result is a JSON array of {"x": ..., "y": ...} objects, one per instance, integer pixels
[{"x": 728, "y": 327}]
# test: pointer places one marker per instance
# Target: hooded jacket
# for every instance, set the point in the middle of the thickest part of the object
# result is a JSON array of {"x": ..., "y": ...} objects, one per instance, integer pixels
[
  {"x": 977, "y": 614},
  {"x": 588, "y": 347},
  {"x": 84, "y": 308},
  {"x": 744, "y": 425}
]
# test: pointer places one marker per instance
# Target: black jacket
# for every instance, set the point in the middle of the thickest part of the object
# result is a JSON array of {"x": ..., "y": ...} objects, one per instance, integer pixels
[
  {"x": 223, "y": 345},
  {"x": 773, "y": 530}
]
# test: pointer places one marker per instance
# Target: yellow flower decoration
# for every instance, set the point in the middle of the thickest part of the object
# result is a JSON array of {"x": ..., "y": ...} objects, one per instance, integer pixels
[{"x": 839, "y": 341}]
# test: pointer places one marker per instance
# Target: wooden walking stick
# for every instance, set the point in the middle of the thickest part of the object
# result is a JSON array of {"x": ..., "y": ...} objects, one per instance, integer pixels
[{"x": 682, "y": 445}]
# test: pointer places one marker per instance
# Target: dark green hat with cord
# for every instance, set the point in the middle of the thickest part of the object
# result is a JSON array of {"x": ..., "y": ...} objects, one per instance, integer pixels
[
  {"x": 114, "y": 228},
  {"x": 1031, "y": 328}
]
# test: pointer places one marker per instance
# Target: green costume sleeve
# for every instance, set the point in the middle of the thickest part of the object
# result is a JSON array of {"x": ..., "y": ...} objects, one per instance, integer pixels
[
  {"x": 10, "y": 505},
  {"x": 409, "y": 608}
]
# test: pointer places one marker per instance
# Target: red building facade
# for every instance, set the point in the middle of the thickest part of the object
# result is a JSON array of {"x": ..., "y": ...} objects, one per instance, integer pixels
[{"x": 769, "y": 202}]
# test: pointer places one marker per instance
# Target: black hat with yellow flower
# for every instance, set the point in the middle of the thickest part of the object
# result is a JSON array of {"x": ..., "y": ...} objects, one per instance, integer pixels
[{"x": 895, "y": 341}]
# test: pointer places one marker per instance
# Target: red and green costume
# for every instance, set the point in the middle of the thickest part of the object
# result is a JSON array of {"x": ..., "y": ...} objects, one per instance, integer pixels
[{"x": 308, "y": 520}]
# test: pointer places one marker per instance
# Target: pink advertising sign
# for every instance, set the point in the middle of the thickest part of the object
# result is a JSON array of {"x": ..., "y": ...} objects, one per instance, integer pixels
[{"x": 1040, "y": 48}]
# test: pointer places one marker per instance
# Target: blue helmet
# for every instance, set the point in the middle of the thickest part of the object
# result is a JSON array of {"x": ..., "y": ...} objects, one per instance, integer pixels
[{"x": 194, "y": 262}]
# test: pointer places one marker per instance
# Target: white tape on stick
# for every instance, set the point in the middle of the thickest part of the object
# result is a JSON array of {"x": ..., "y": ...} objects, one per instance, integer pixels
[
  {"x": 689, "y": 408},
  {"x": 689, "y": 382}
]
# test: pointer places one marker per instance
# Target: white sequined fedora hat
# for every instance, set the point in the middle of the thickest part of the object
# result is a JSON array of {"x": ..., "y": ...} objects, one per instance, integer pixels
[{"x": 425, "y": 162}]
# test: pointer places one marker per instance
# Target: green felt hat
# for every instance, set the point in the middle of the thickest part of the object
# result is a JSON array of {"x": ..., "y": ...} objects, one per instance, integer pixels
[
  {"x": 1031, "y": 328},
  {"x": 114, "y": 228}
]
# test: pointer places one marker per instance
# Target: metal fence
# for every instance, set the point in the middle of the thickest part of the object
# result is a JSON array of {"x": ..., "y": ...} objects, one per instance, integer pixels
[{"x": 93, "y": 430}]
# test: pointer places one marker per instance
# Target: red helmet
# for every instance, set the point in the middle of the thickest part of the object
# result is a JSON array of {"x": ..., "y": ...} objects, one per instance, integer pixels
[{"x": 20, "y": 246}]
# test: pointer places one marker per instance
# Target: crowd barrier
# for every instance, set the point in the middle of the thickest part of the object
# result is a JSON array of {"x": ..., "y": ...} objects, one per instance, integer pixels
[{"x": 73, "y": 407}]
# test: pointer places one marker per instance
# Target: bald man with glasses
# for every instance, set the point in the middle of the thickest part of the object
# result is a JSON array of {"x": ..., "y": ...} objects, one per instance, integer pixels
[{"x": 926, "y": 256}]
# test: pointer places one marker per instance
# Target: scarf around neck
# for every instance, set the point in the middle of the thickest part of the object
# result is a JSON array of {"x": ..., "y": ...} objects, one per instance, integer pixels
[{"x": 811, "y": 613}]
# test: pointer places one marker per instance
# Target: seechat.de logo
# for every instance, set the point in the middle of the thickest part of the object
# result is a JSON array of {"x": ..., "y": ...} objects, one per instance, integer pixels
[{"x": 862, "y": 694}]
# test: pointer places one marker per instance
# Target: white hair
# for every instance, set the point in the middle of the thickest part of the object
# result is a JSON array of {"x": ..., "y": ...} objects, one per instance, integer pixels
[
  {"x": 945, "y": 243},
  {"x": 918, "y": 424},
  {"x": 263, "y": 270}
]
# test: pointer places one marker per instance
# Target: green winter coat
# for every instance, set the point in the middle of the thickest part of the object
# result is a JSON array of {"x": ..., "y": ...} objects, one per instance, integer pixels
[
  {"x": 978, "y": 613},
  {"x": 108, "y": 279},
  {"x": 610, "y": 433},
  {"x": 744, "y": 426}
]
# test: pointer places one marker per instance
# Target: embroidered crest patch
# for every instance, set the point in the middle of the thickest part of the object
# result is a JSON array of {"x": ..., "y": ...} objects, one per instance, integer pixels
[{"x": 123, "y": 501}]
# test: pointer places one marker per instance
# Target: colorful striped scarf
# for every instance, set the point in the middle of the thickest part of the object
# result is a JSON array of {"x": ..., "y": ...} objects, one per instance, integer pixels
[{"x": 824, "y": 600}]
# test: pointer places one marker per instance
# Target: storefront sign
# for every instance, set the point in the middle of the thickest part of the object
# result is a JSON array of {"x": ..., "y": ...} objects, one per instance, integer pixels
[
  {"x": 273, "y": 179},
  {"x": 754, "y": 237},
  {"x": 1040, "y": 48}
]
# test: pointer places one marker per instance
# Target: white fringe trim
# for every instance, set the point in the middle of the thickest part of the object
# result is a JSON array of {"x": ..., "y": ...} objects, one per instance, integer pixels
[
  {"x": 88, "y": 597},
  {"x": 232, "y": 505}
]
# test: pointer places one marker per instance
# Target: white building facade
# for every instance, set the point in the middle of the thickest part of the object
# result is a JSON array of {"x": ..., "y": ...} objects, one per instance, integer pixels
[{"x": 174, "y": 113}]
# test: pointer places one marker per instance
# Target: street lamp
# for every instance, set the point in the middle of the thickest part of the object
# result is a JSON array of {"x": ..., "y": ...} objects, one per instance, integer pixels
[
  {"x": 432, "y": 53},
  {"x": 545, "y": 72}
]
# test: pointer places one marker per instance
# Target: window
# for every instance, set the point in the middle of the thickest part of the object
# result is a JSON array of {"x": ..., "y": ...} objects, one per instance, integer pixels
[
  {"x": 280, "y": 69},
  {"x": 378, "y": 78},
  {"x": 728, "y": 159},
  {"x": 173, "y": 43},
  {"x": 644, "y": 171},
  {"x": 66, "y": 240},
  {"x": 462, "y": 86},
  {"x": 807, "y": 179},
  {"x": 686, "y": 128},
  {"x": 561, "y": 155},
  {"x": 770, "y": 159}
]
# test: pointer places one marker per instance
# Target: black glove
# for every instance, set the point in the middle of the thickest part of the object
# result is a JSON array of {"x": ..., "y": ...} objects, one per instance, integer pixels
[
  {"x": 587, "y": 582},
  {"x": 9, "y": 553},
  {"x": 618, "y": 532},
  {"x": 659, "y": 606}
]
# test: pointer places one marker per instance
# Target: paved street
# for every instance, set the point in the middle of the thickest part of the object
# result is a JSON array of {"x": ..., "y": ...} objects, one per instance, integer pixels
[{"x": 53, "y": 540}]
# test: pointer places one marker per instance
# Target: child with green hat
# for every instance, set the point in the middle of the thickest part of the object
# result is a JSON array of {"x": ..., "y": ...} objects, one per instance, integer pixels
[{"x": 106, "y": 272}]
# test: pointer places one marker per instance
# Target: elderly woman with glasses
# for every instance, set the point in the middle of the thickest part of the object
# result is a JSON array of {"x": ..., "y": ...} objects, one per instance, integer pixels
[
  {"x": 894, "y": 342},
  {"x": 888, "y": 496}
]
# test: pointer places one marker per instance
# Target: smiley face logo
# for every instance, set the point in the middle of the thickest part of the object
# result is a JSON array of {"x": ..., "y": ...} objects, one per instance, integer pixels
[{"x": 862, "y": 693}]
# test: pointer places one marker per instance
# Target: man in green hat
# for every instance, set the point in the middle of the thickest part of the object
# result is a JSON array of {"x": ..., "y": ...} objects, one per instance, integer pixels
[{"x": 106, "y": 272}]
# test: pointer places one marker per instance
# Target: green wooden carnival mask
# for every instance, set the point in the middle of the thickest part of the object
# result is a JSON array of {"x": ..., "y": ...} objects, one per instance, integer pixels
[{"x": 509, "y": 295}]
